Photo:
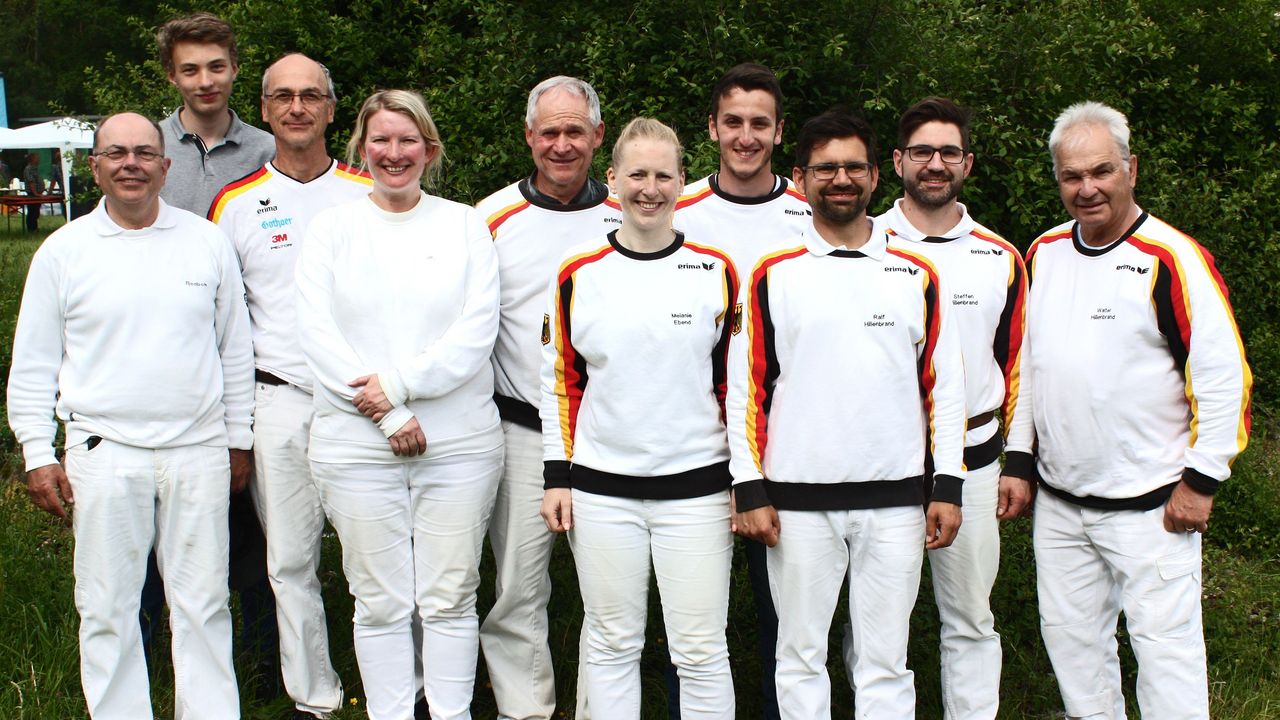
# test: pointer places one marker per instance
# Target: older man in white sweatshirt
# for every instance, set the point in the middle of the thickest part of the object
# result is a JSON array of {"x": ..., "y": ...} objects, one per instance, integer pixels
[{"x": 134, "y": 331}]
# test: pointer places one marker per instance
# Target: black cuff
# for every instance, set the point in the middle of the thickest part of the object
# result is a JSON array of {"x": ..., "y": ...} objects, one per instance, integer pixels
[
  {"x": 555, "y": 474},
  {"x": 750, "y": 495},
  {"x": 1200, "y": 482},
  {"x": 1020, "y": 465},
  {"x": 947, "y": 488}
]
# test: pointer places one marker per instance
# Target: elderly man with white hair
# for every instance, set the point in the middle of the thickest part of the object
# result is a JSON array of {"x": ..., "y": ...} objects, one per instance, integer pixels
[
  {"x": 533, "y": 222},
  {"x": 1133, "y": 402}
]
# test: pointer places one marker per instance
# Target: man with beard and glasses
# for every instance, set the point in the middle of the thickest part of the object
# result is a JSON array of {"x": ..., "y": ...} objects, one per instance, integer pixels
[
  {"x": 849, "y": 374},
  {"x": 744, "y": 209},
  {"x": 986, "y": 287}
]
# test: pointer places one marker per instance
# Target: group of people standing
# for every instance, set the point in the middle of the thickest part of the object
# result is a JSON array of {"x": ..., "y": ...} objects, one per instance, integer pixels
[{"x": 646, "y": 365}]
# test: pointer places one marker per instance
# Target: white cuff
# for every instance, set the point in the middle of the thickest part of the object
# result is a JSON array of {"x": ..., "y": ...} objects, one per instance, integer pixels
[
  {"x": 394, "y": 420},
  {"x": 397, "y": 394}
]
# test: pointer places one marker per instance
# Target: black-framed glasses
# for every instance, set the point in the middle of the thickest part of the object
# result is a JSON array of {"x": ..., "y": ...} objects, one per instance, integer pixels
[
  {"x": 284, "y": 98},
  {"x": 116, "y": 153},
  {"x": 951, "y": 154},
  {"x": 827, "y": 171}
]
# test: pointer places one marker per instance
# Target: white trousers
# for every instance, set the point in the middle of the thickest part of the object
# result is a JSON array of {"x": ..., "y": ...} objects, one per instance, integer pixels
[
  {"x": 128, "y": 499},
  {"x": 288, "y": 506},
  {"x": 411, "y": 537},
  {"x": 963, "y": 575},
  {"x": 1090, "y": 566},
  {"x": 881, "y": 551},
  {"x": 689, "y": 544},
  {"x": 514, "y": 633}
]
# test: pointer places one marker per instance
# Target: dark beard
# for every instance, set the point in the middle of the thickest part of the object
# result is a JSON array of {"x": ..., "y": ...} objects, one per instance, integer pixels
[{"x": 933, "y": 200}]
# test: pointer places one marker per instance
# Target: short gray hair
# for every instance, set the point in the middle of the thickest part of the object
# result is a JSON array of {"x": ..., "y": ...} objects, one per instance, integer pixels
[
  {"x": 581, "y": 88},
  {"x": 1090, "y": 113},
  {"x": 328, "y": 79}
]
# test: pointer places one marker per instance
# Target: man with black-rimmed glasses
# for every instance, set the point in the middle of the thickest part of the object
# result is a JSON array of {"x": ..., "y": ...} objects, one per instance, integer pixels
[{"x": 985, "y": 284}]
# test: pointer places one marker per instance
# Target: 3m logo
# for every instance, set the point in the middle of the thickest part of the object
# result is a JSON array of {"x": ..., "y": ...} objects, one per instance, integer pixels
[{"x": 282, "y": 237}]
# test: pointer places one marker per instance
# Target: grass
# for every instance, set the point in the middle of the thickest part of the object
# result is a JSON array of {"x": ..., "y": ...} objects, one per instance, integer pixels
[{"x": 38, "y": 651}]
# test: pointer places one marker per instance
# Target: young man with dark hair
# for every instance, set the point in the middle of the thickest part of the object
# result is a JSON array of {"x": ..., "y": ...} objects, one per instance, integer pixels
[
  {"x": 985, "y": 282},
  {"x": 745, "y": 208},
  {"x": 845, "y": 374}
]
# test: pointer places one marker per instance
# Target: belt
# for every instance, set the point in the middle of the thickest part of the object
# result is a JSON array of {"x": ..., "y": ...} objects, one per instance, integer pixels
[
  {"x": 980, "y": 420},
  {"x": 267, "y": 378},
  {"x": 984, "y": 453}
]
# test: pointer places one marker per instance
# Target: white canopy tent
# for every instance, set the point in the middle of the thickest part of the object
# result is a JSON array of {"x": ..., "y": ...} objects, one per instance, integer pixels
[{"x": 66, "y": 134}]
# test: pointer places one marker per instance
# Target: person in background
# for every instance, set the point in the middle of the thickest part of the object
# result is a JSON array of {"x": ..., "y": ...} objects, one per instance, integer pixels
[
  {"x": 533, "y": 222},
  {"x": 35, "y": 186},
  {"x": 265, "y": 215}
]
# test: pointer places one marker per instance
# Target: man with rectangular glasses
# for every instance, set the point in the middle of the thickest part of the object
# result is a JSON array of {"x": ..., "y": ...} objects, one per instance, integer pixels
[
  {"x": 265, "y": 215},
  {"x": 985, "y": 284},
  {"x": 133, "y": 330}
]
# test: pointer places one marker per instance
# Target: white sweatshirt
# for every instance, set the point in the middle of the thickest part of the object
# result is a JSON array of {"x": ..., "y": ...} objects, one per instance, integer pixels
[
  {"x": 413, "y": 298},
  {"x": 744, "y": 227},
  {"x": 531, "y": 236},
  {"x": 1133, "y": 372},
  {"x": 986, "y": 287},
  {"x": 265, "y": 214},
  {"x": 633, "y": 370},
  {"x": 137, "y": 336},
  {"x": 847, "y": 369}
]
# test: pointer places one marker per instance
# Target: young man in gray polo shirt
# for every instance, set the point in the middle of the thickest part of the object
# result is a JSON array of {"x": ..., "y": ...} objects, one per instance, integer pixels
[{"x": 210, "y": 146}]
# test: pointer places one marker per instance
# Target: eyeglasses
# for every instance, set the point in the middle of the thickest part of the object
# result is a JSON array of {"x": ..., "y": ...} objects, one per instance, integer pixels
[
  {"x": 284, "y": 98},
  {"x": 827, "y": 171},
  {"x": 143, "y": 154},
  {"x": 951, "y": 154}
]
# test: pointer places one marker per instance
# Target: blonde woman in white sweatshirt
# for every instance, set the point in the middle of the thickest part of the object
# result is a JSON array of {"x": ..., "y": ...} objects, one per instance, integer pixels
[
  {"x": 635, "y": 452},
  {"x": 397, "y": 314}
]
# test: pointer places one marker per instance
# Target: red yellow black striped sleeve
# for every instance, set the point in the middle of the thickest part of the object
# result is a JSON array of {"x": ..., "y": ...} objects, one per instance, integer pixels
[
  {"x": 753, "y": 371},
  {"x": 564, "y": 372},
  {"x": 1193, "y": 312},
  {"x": 1007, "y": 344},
  {"x": 941, "y": 375}
]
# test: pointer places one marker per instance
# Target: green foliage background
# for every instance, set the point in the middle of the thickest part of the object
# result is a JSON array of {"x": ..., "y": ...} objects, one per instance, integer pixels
[{"x": 1198, "y": 83}]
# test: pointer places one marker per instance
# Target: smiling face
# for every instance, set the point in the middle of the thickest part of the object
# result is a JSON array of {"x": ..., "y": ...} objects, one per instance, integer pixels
[
  {"x": 131, "y": 185},
  {"x": 562, "y": 140},
  {"x": 840, "y": 201},
  {"x": 747, "y": 128},
  {"x": 203, "y": 74},
  {"x": 647, "y": 180},
  {"x": 297, "y": 124},
  {"x": 1096, "y": 183},
  {"x": 396, "y": 155},
  {"x": 933, "y": 184}
]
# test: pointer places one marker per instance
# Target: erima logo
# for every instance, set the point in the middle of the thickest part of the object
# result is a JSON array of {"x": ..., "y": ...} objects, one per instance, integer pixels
[
  {"x": 1127, "y": 266},
  {"x": 696, "y": 266},
  {"x": 616, "y": 221},
  {"x": 265, "y": 201},
  {"x": 895, "y": 268},
  {"x": 266, "y": 206},
  {"x": 190, "y": 283},
  {"x": 977, "y": 251},
  {"x": 276, "y": 222},
  {"x": 802, "y": 213}
]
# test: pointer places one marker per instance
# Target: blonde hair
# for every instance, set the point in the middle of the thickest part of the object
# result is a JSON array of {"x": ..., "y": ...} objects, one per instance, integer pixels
[
  {"x": 411, "y": 105},
  {"x": 646, "y": 128}
]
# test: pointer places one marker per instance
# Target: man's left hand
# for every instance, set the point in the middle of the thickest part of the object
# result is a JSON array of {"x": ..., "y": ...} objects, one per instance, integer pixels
[
  {"x": 941, "y": 524},
  {"x": 241, "y": 469},
  {"x": 1187, "y": 510}
]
